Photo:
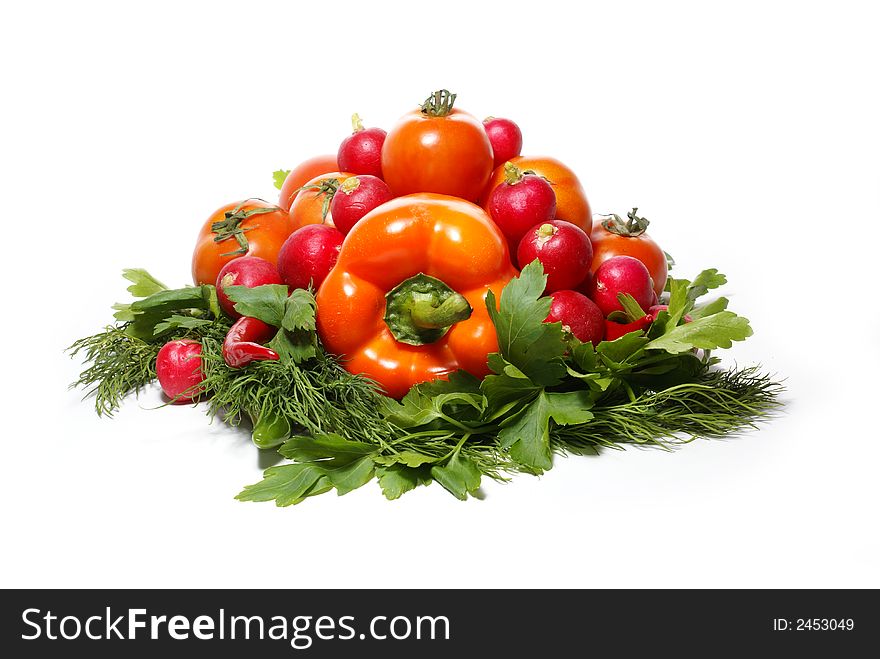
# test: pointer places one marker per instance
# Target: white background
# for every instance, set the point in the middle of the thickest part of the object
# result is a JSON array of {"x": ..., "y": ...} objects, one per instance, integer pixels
[{"x": 747, "y": 133}]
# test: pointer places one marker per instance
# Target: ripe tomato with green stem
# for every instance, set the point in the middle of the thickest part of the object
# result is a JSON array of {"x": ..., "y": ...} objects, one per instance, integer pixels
[
  {"x": 302, "y": 174},
  {"x": 612, "y": 236},
  {"x": 251, "y": 227},
  {"x": 437, "y": 148},
  {"x": 311, "y": 205}
]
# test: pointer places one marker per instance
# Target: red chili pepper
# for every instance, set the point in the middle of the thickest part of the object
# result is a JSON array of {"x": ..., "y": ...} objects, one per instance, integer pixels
[
  {"x": 616, "y": 330},
  {"x": 242, "y": 344}
]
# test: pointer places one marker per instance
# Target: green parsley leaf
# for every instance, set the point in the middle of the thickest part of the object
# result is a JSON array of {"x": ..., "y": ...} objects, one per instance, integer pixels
[
  {"x": 144, "y": 315},
  {"x": 279, "y": 176},
  {"x": 298, "y": 346},
  {"x": 143, "y": 283},
  {"x": 677, "y": 369},
  {"x": 407, "y": 458},
  {"x": 299, "y": 311},
  {"x": 504, "y": 393},
  {"x": 123, "y": 312},
  {"x": 631, "y": 308},
  {"x": 584, "y": 355},
  {"x": 704, "y": 282},
  {"x": 713, "y": 307},
  {"x": 397, "y": 479},
  {"x": 324, "y": 462},
  {"x": 287, "y": 484},
  {"x": 527, "y": 435},
  {"x": 525, "y": 340},
  {"x": 329, "y": 446},
  {"x": 615, "y": 353},
  {"x": 460, "y": 476},
  {"x": 180, "y": 322},
  {"x": 719, "y": 330},
  {"x": 458, "y": 397},
  {"x": 683, "y": 295},
  {"x": 293, "y": 483},
  {"x": 679, "y": 304},
  {"x": 267, "y": 302}
]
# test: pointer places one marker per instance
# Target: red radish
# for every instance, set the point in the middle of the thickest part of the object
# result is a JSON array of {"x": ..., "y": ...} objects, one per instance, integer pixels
[
  {"x": 247, "y": 271},
  {"x": 578, "y": 314},
  {"x": 621, "y": 274},
  {"x": 179, "y": 370},
  {"x": 505, "y": 137},
  {"x": 361, "y": 152},
  {"x": 309, "y": 254},
  {"x": 355, "y": 197},
  {"x": 562, "y": 248},
  {"x": 521, "y": 202}
]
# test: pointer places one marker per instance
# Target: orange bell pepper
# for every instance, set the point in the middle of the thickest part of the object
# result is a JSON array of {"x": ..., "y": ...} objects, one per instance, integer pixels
[{"x": 405, "y": 301}]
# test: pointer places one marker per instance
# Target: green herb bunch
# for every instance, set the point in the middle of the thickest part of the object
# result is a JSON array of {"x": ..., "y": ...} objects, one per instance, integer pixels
[{"x": 547, "y": 393}]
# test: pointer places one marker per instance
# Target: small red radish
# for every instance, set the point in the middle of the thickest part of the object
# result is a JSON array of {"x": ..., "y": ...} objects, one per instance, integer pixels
[
  {"x": 562, "y": 248},
  {"x": 361, "y": 152},
  {"x": 179, "y": 370},
  {"x": 505, "y": 138},
  {"x": 355, "y": 197},
  {"x": 309, "y": 254},
  {"x": 520, "y": 202},
  {"x": 578, "y": 314},
  {"x": 621, "y": 274},
  {"x": 247, "y": 271}
]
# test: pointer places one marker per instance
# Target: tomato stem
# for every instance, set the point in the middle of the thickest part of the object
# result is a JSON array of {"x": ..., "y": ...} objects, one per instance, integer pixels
[
  {"x": 439, "y": 104},
  {"x": 230, "y": 226},
  {"x": 328, "y": 188},
  {"x": 633, "y": 227}
]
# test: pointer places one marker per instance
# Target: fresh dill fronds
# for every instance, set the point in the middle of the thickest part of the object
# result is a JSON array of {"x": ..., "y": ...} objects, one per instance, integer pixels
[
  {"x": 719, "y": 403},
  {"x": 117, "y": 365},
  {"x": 318, "y": 396}
]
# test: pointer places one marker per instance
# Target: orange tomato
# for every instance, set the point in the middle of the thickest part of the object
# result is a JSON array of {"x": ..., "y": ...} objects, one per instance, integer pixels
[
  {"x": 311, "y": 205},
  {"x": 642, "y": 247},
  {"x": 244, "y": 228},
  {"x": 439, "y": 149},
  {"x": 302, "y": 174},
  {"x": 571, "y": 201}
]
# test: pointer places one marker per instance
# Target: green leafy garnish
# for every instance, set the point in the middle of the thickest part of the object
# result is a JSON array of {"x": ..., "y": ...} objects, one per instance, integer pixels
[
  {"x": 279, "y": 176},
  {"x": 525, "y": 340},
  {"x": 547, "y": 393}
]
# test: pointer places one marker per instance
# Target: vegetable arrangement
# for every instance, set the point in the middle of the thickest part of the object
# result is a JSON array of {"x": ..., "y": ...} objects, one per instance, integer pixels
[{"x": 429, "y": 305}]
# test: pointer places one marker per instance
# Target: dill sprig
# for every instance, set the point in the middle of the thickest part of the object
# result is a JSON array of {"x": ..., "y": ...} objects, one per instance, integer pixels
[
  {"x": 117, "y": 365},
  {"x": 318, "y": 396},
  {"x": 720, "y": 403}
]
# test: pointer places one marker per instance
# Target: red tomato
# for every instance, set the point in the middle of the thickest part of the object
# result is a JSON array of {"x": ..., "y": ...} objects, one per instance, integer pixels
[
  {"x": 302, "y": 174},
  {"x": 607, "y": 244},
  {"x": 311, "y": 205},
  {"x": 571, "y": 201},
  {"x": 260, "y": 226},
  {"x": 437, "y": 149}
]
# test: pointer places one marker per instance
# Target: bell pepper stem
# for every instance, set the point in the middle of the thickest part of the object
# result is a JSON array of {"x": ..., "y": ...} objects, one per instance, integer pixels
[{"x": 454, "y": 309}]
